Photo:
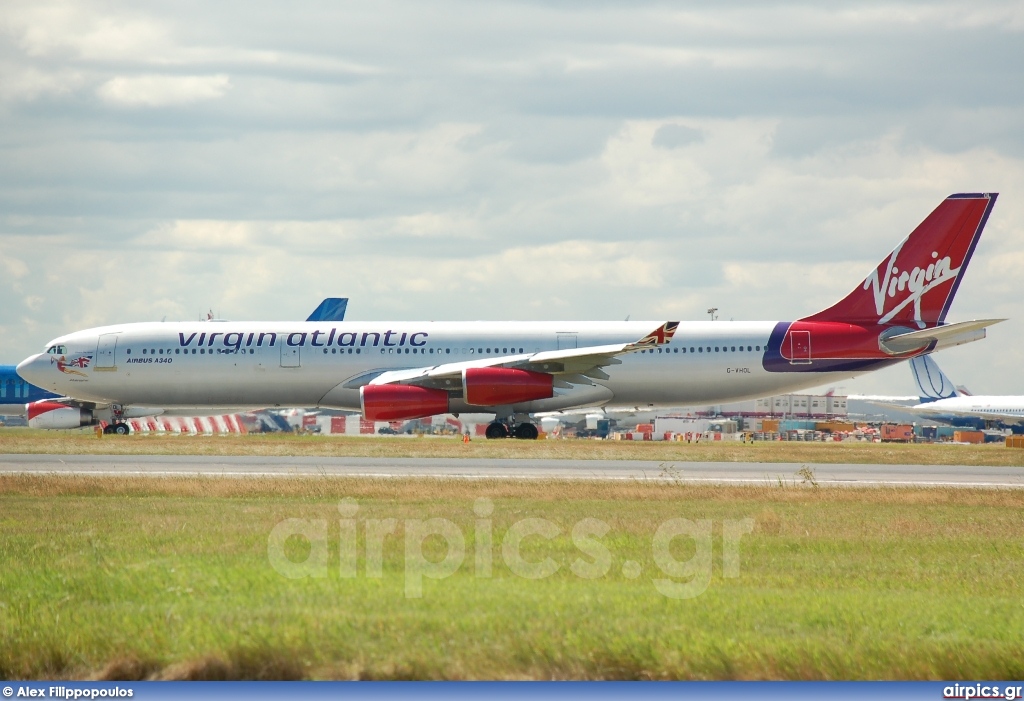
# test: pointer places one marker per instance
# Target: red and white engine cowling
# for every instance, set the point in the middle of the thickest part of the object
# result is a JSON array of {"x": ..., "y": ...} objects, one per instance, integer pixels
[
  {"x": 499, "y": 386},
  {"x": 48, "y": 414},
  {"x": 401, "y": 402}
]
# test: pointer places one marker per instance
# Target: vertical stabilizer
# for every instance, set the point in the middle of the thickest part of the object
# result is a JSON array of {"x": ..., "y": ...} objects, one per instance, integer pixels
[
  {"x": 932, "y": 383},
  {"x": 915, "y": 284},
  {"x": 331, "y": 309}
]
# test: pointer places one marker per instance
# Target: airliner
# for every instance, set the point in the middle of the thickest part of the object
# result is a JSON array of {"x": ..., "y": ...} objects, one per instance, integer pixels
[
  {"x": 19, "y": 398},
  {"x": 942, "y": 402},
  {"x": 16, "y": 395},
  {"x": 407, "y": 370}
]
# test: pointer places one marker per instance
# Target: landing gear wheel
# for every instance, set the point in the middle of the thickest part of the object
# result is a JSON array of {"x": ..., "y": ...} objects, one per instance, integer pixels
[
  {"x": 120, "y": 429},
  {"x": 496, "y": 430},
  {"x": 108, "y": 429},
  {"x": 527, "y": 432}
]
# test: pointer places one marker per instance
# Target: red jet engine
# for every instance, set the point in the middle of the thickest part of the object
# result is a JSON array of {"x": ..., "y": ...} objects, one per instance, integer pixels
[
  {"x": 399, "y": 402},
  {"x": 494, "y": 386}
]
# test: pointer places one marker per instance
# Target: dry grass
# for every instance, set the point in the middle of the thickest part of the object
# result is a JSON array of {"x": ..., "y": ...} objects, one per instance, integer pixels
[{"x": 19, "y": 441}]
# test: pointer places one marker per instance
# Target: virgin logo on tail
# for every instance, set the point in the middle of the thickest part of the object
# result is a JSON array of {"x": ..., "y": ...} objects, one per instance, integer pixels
[{"x": 916, "y": 283}]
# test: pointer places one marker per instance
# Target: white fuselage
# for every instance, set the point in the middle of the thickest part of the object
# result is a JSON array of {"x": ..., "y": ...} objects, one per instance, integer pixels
[
  {"x": 308, "y": 364},
  {"x": 1006, "y": 409}
]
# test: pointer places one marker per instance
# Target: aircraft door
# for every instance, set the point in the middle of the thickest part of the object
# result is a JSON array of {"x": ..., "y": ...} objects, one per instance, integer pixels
[
  {"x": 799, "y": 347},
  {"x": 566, "y": 340},
  {"x": 290, "y": 356},
  {"x": 105, "y": 352}
]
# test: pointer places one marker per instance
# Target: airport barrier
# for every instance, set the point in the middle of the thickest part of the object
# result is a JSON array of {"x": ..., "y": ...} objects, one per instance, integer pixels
[{"x": 192, "y": 425}]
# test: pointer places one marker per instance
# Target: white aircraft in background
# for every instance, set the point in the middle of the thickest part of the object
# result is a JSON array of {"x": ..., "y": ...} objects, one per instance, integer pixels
[
  {"x": 407, "y": 370},
  {"x": 942, "y": 402}
]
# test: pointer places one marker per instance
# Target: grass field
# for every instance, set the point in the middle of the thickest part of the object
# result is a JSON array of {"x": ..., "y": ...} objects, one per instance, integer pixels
[
  {"x": 170, "y": 578},
  {"x": 75, "y": 442}
]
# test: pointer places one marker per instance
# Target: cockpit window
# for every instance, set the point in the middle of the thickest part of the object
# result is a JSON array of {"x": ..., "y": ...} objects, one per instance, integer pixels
[{"x": 57, "y": 350}]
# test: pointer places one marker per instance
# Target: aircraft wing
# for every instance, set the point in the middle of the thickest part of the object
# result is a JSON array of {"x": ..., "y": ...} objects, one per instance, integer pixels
[
  {"x": 568, "y": 365},
  {"x": 979, "y": 413},
  {"x": 76, "y": 403},
  {"x": 945, "y": 412}
]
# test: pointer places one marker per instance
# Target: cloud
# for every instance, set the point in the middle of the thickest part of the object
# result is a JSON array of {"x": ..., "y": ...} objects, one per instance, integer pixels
[
  {"x": 671, "y": 136},
  {"x": 163, "y": 90},
  {"x": 492, "y": 160}
]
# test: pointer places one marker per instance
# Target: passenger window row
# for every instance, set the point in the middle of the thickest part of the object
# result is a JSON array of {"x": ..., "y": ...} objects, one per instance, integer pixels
[
  {"x": 334, "y": 351},
  {"x": 200, "y": 351},
  {"x": 703, "y": 349},
  {"x": 425, "y": 351}
]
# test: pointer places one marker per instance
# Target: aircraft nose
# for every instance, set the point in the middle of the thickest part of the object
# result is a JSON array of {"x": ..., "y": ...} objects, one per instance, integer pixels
[{"x": 30, "y": 370}]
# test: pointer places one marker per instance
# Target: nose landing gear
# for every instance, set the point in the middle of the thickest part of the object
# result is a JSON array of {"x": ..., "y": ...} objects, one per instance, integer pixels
[{"x": 117, "y": 427}]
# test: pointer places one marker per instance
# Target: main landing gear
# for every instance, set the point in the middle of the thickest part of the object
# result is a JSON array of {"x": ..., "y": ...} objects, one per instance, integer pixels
[
  {"x": 501, "y": 429},
  {"x": 496, "y": 430},
  {"x": 116, "y": 427}
]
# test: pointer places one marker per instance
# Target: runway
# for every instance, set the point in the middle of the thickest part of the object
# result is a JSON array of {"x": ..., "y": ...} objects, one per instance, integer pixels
[{"x": 462, "y": 468}]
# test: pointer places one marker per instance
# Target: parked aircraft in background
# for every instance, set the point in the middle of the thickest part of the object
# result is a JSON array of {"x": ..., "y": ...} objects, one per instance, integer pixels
[
  {"x": 331, "y": 309},
  {"x": 407, "y": 370},
  {"x": 45, "y": 409},
  {"x": 941, "y": 401},
  {"x": 16, "y": 394}
]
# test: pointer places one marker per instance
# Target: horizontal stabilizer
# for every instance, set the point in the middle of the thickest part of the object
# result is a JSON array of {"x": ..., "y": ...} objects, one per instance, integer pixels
[
  {"x": 331, "y": 309},
  {"x": 943, "y": 336}
]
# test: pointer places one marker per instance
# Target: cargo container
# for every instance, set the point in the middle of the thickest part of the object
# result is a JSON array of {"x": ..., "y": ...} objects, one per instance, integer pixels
[
  {"x": 797, "y": 425},
  {"x": 680, "y": 425},
  {"x": 1015, "y": 441},
  {"x": 724, "y": 427},
  {"x": 753, "y": 425},
  {"x": 834, "y": 426},
  {"x": 968, "y": 437},
  {"x": 901, "y": 433},
  {"x": 770, "y": 425}
]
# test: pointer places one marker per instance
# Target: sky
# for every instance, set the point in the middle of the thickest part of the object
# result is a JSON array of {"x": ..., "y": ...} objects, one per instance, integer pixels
[{"x": 467, "y": 160}]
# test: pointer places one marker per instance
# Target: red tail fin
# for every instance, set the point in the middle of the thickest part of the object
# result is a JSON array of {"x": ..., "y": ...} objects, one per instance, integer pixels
[{"x": 915, "y": 284}]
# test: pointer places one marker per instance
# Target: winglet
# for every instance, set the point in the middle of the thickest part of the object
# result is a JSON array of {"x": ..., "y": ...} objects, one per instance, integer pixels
[{"x": 661, "y": 335}]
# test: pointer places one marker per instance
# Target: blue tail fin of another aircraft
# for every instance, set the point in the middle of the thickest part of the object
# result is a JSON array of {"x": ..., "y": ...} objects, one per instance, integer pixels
[
  {"x": 932, "y": 384},
  {"x": 331, "y": 309}
]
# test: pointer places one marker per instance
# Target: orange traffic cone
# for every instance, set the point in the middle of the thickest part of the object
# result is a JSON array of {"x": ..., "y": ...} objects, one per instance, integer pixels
[{"x": 465, "y": 438}]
